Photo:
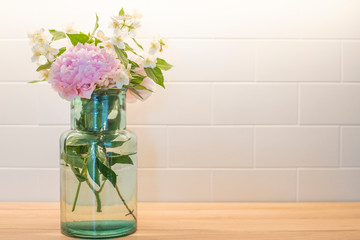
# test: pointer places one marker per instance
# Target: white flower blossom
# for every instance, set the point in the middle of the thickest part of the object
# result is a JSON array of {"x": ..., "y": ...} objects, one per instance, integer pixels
[
  {"x": 101, "y": 36},
  {"x": 136, "y": 14},
  {"x": 149, "y": 61},
  {"x": 50, "y": 52},
  {"x": 44, "y": 74},
  {"x": 37, "y": 37},
  {"x": 163, "y": 44},
  {"x": 108, "y": 45},
  {"x": 154, "y": 47},
  {"x": 77, "y": 108},
  {"x": 69, "y": 28},
  {"x": 118, "y": 40},
  {"x": 116, "y": 25},
  {"x": 122, "y": 79},
  {"x": 38, "y": 51}
]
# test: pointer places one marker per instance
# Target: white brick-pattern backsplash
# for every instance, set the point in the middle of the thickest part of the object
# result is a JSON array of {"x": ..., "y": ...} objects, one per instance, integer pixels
[{"x": 263, "y": 102}]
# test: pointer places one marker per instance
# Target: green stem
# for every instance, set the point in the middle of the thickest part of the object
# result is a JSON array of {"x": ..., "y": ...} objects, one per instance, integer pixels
[
  {"x": 76, "y": 196},
  {"x": 78, "y": 190},
  {"x": 102, "y": 186},
  {"x": 97, "y": 196},
  {"x": 131, "y": 212}
]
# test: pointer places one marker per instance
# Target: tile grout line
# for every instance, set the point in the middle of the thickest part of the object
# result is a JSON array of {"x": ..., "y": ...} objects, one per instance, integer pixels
[
  {"x": 167, "y": 148},
  {"x": 341, "y": 61},
  {"x": 256, "y": 60},
  {"x": 298, "y": 105},
  {"x": 212, "y": 185},
  {"x": 254, "y": 147},
  {"x": 340, "y": 147},
  {"x": 212, "y": 99},
  {"x": 297, "y": 184}
]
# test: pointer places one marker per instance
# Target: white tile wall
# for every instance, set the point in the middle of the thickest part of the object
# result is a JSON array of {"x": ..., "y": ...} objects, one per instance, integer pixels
[
  {"x": 298, "y": 61},
  {"x": 263, "y": 103},
  {"x": 351, "y": 61},
  {"x": 297, "y": 147},
  {"x": 24, "y": 184},
  {"x": 350, "y": 150},
  {"x": 255, "y": 103},
  {"x": 202, "y": 147},
  {"x": 329, "y": 185},
  {"x": 330, "y": 104},
  {"x": 174, "y": 185},
  {"x": 254, "y": 185}
]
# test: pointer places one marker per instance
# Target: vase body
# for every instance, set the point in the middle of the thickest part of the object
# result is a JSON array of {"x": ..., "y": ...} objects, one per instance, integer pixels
[{"x": 98, "y": 169}]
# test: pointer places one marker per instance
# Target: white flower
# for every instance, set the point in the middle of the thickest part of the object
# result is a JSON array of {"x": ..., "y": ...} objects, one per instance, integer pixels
[
  {"x": 116, "y": 25},
  {"x": 50, "y": 52},
  {"x": 69, "y": 28},
  {"x": 122, "y": 79},
  {"x": 154, "y": 47},
  {"x": 77, "y": 107},
  {"x": 38, "y": 50},
  {"x": 118, "y": 40},
  {"x": 124, "y": 17},
  {"x": 163, "y": 44},
  {"x": 157, "y": 44},
  {"x": 108, "y": 45},
  {"x": 136, "y": 14},
  {"x": 149, "y": 61},
  {"x": 37, "y": 37},
  {"x": 101, "y": 36},
  {"x": 44, "y": 74}
]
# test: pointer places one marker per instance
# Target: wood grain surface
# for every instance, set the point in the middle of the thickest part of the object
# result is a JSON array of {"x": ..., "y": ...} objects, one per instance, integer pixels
[{"x": 211, "y": 221}]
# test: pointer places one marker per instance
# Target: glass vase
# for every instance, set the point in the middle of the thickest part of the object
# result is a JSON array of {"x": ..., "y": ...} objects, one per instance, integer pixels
[{"x": 98, "y": 169}]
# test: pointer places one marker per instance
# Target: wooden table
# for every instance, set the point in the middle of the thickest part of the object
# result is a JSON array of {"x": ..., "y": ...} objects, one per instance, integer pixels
[{"x": 211, "y": 221}]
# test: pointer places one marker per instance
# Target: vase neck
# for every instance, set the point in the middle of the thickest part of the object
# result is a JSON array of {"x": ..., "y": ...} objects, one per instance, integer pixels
[{"x": 104, "y": 111}]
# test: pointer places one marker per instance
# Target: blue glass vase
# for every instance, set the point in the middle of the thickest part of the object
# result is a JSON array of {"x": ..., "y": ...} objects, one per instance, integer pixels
[{"x": 98, "y": 169}]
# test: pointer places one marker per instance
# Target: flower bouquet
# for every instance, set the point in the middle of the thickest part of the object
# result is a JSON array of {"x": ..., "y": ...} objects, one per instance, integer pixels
[{"x": 98, "y": 74}]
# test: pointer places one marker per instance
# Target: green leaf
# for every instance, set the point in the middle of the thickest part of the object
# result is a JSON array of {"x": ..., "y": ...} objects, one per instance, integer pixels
[
  {"x": 79, "y": 141},
  {"x": 107, "y": 172},
  {"x": 138, "y": 87},
  {"x": 36, "y": 81},
  {"x": 74, "y": 159},
  {"x": 80, "y": 150},
  {"x": 44, "y": 66},
  {"x": 138, "y": 44},
  {"x": 78, "y": 38},
  {"x": 156, "y": 75},
  {"x": 122, "y": 12},
  {"x": 133, "y": 64},
  {"x": 136, "y": 93},
  {"x": 141, "y": 87},
  {"x": 120, "y": 159},
  {"x": 100, "y": 154},
  {"x": 61, "y": 51},
  {"x": 97, "y": 41},
  {"x": 57, "y": 35},
  {"x": 92, "y": 167},
  {"x": 128, "y": 48},
  {"x": 96, "y": 25},
  {"x": 114, "y": 144},
  {"x": 137, "y": 78},
  {"x": 122, "y": 55},
  {"x": 163, "y": 65},
  {"x": 78, "y": 175}
]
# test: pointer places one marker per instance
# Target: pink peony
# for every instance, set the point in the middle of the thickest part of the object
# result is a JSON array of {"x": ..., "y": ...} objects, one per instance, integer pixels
[
  {"x": 80, "y": 69},
  {"x": 147, "y": 82}
]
